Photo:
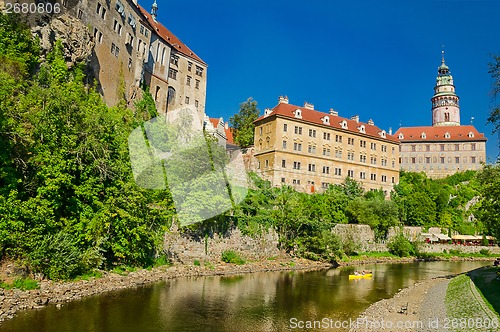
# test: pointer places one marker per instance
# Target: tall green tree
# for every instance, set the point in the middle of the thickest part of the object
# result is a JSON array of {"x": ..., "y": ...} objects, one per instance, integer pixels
[
  {"x": 489, "y": 210},
  {"x": 242, "y": 123},
  {"x": 494, "y": 70}
]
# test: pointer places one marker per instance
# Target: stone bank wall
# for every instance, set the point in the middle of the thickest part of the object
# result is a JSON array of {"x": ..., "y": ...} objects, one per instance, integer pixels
[{"x": 186, "y": 248}]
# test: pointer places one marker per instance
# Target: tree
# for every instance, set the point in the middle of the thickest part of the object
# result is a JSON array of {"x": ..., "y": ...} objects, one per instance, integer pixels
[
  {"x": 489, "y": 210},
  {"x": 494, "y": 70},
  {"x": 242, "y": 123}
]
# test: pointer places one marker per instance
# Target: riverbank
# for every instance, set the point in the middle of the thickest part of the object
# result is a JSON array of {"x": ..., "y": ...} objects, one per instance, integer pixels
[
  {"x": 50, "y": 292},
  {"x": 432, "y": 305}
]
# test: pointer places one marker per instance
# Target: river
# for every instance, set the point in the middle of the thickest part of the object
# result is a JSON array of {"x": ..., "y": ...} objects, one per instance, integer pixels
[{"x": 251, "y": 302}]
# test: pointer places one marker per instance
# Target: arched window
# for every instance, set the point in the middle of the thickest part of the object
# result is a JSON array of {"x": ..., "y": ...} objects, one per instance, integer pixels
[
  {"x": 170, "y": 96},
  {"x": 446, "y": 116},
  {"x": 157, "y": 93}
]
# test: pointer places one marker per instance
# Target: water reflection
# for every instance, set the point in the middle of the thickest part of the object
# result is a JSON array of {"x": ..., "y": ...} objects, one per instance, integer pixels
[{"x": 253, "y": 302}]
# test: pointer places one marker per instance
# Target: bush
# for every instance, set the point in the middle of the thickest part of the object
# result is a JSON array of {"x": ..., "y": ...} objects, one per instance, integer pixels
[
  {"x": 484, "y": 252},
  {"x": 230, "y": 256},
  {"x": 196, "y": 262},
  {"x": 455, "y": 252},
  {"x": 21, "y": 283},
  {"x": 401, "y": 246}
]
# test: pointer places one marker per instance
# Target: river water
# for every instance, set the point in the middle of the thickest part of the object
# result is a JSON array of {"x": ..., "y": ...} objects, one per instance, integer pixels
[{"x": 252, "y": 302}]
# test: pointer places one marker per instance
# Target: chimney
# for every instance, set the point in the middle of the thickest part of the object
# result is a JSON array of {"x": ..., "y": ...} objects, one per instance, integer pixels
[
  {"x": 154, "y": 10},
  {"x": 226, "y": 125},
  {"x": 371, "y": 123},
  {"x": 283, "y": 100},
  {"x": 355, "y": 118},
  {"x": 309, "y": 106},
  {"x": 390, "y": 131},
  {"x": 333, "y": 112}
]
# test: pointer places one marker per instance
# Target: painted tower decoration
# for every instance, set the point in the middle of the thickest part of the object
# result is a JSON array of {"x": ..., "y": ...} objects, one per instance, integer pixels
[{"x": 445, "y": 108}]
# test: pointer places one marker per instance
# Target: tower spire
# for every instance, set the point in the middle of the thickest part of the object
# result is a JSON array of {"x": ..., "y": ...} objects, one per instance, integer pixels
[
  {"x": 154, "y": 11},
  {"x": 445, "y": 108}
]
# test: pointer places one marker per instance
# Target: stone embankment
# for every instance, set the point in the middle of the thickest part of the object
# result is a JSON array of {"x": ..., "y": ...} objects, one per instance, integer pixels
[{"x": 11, "y": 301}]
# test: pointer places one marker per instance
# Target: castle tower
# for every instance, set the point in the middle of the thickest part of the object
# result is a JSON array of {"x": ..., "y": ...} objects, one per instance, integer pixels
[{"x": 445, "y": 108}]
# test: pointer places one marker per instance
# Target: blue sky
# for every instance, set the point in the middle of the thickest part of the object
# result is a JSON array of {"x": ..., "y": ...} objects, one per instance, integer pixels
[{"x": 377, "y": 59}]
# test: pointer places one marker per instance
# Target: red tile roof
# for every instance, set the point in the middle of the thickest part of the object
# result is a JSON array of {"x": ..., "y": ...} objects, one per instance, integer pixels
[
  {"x": 313, "y": 116},
  {"x": 215, "y": 122},
  {"x": 229, "y": 135},
  {"x": 433, "y": 134},
  {"x": 169, "y": 37}
]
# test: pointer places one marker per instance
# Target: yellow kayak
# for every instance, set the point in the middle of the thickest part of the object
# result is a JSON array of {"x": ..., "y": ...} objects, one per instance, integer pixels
[{"x": 360, "y": 276}]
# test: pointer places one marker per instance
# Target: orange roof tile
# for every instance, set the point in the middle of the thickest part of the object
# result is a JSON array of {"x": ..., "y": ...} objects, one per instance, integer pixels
[
  {"x": 215, "y": 122},
  {"x": 229, "y": 135},
  {"x": 438, "y": 133},
  {"x": 169, "y": 37},
  {"x": 313, "y": 116}
]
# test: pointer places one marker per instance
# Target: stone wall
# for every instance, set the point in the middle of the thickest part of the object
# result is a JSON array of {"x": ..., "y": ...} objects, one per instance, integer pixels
[
  {"x": 186, "y": 248},
  {"x": 439, "y": 248}
]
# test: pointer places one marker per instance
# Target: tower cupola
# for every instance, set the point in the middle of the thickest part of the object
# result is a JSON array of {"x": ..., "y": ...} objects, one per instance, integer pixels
[
  {"x": 445, "y": 108},
  {"x": 154, "y": 11}
]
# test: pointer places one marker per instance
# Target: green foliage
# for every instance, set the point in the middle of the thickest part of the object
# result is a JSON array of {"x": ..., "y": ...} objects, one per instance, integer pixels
[
  {"x": 242, "y": 123},
  {"x": 196, "y": 263},
  {"x": 209, "y": 265},
  {"x": 489, "y": 211},
  {"x": 401, "y": 246},
  {"x": 230, "y": 256},
  {"x": 484, "y": 252},
  {"x": 494, "y": 71},
  {"x": 21, "y": 283}
]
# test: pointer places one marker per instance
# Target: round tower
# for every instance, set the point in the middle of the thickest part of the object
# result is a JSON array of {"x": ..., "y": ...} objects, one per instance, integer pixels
[{"x": 445, "y": 108}]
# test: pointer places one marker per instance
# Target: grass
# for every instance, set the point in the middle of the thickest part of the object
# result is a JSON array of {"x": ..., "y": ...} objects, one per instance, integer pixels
[
  {"x": 89, "y": 275},
  {"x": 489, "y": 286},
  {"x": 209, "y": 265},
  {"x": 196, "y": 262},
  {"x": 232, "y": 257},
  {"x": 21, "y": 283},
  {"x": 365, "y": 255},
  {"x": 123, "y": 270}
]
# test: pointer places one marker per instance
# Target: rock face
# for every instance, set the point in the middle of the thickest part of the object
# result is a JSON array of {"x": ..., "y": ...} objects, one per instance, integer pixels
[{"x": 78, "y": 44}]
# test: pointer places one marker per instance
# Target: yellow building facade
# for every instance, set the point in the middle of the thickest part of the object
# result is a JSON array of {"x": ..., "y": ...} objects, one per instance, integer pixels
[{"x": 309, "y": 150}]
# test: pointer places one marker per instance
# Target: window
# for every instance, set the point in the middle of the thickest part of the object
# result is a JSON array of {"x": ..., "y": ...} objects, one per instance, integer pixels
[
  {"x": 362, "y": 158},
  {"x": 413, "y": 148},
  {"x": 338, "y": 171},
  {"x": 130, "y": 40},
  {"x": 267, "y": 163},
  {"x": 441, "y": 147},
  {"x": 373, "y": 160},
  {"x": 188, "y": 81},
  {"x": 98, "y": 10},
  {"x": 326, "y": 152},
  {"x": 384, "y": 178},
  {"x": 338, "y": 138},
  {"x": 258, "y": 165},
  {"x": 142, "y": 29},
  {"x": 350, "y": 173},
  {"x": 190, "y": 65},
  {"x": 446, "y": 117},
  {"x": 427, "y": 160},
  {"x": 199, "y": 71},
  {"x": 129, "y": 63},
  {"x": 338, "y": 154},
  {"x": 413, "y": 160},
  {"x": 312, "y": 133},
  {"x": 186, "y": 100},
  {"x": 103, "y": 13},
  {"x": 98, "y": 35},
  {"x": 457, "y": 147},
  {"x": 350, "y": 155},
  {"x": 373, "y": 146},
  {"x": 326, "y": 136},
  {"x": 393, "y": 180},
  {"x": 285, "y": 127},
  {"x": 311, "y": 168},
  {"x": 311, "y": 149},
  {"x": 297, "y": 146},
  {"x": 284, "y": 144},
  {"x": 362, "y": 144},
  {"x": 131, "y": 21},
  {"x": 296, "y": 165},
  {"x": 473, "y": 146},
  {"x": 384, "y": 148},
  {"x": 172, "y": 73},
  {"x": 457, "y": 160},
  {"x": 283, "y": 163},
  {"x": 473, "y": 160},
  {"x": 350, "y": 141},
  {"x": 197, "y": 84},
  {"x": 362, "y": 175},
  {"x": 282, "y": 180},
  {"x": 427, "y": 148},
  {"x": 441, "y": 160},
  {"x": 196, "y": 103},
  {"x": 298, "y": 130},
  {"x": 260, "y": 130},
  {"x": 174, "y": 60},
  {"x": 296, "y": 181},
  {"x": 373, "y": 177},
  {"x": 324, "y": 185},
  {"x": 80, "y": 14},
  {"x": 115, "y": 50},
  {"x": 117, "y": 27},
  {"x": 326, "y": 170}
]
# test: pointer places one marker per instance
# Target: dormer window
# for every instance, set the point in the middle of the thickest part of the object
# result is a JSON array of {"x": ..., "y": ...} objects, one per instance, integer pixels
[
  {"x": 447, "y": 135},
  {"x": 401, "y": 136},
  {"x": 326, "y": 120},
  {"x": 423, "y": 135},
  {"x": 343, "y": 124},
  {"x": 362, "y": 129},
  {"x": 383, "y": 133},
  {"x": 470, "y": 134},
  {"x": 298, "y": 113},
  {"x": 267, "y": 111}
]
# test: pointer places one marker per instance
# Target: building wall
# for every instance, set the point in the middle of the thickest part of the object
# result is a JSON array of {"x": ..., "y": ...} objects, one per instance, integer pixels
[
  {"x": 270, "y": 154},
  {"x": 121, "y": 48},
  {"x": 441, "y": 159}
]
